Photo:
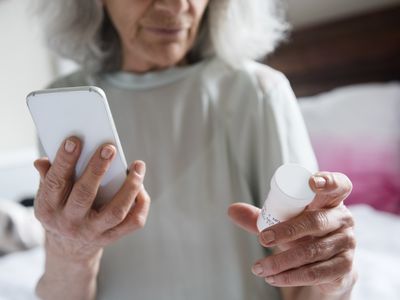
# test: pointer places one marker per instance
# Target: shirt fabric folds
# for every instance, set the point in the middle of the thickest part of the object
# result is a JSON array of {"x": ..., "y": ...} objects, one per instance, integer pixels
[{"x": 210, "y": 136}]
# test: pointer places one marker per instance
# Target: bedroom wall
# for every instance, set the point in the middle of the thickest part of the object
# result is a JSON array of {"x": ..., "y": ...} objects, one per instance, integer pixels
[{"x": 305, "y": 12}]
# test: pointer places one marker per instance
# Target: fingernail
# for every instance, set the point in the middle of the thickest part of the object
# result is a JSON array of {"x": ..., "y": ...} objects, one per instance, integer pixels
[
  {"x": 257, "y": 269},
  {"x": 139, "y": 168},
  {"x": 69, "y": 146},
  {"x": 268, "y": 236},
  {"x": 106, "y": 152},
  {"x": 319, "y": 181},
  {"x": 270, "y": 279}
]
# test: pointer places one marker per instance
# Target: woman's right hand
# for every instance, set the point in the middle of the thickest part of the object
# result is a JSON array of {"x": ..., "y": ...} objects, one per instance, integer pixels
[{"x": 75, "y": 231}]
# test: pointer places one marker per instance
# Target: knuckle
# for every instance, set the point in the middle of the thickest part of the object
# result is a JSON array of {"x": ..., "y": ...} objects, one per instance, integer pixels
[
  {"x": 347, "y": 261},
  {"x": 41, "y": 214},
  {"x": 117, "y": 214},
  {"x": 290, "y": 230},
  {"x": 139, "y": 220},
  {"x": 348, "y": 187},
  {"x": 340, "y": 185},
  {"x": 311, "y": 252},
  {"x": 62, "y": 162},
  {"x": 332, "y": 180},
  {"x": 83, "y": 191},
  {"x": 343, "y": 282},
  {"x": 135, "y": 184},
  {"x": 69, "y": 229},
  {"x": 53, "y": 182},
  {"x": 350, "y": 240},
  {"x": 347, "y": 219},
  {"x": 275, "y": 265},
  {"x": 42, "y": 210},
  {"x": 98, "y": 169},
  {"x": 78, "y": 202},
  {"x": 312, "y": 274},
  {"x": 319, "y": 220},
  {"x": 340, "y": 281},
  {"x": 147, "y": 198},
  {"x": 286, "y": 279}
]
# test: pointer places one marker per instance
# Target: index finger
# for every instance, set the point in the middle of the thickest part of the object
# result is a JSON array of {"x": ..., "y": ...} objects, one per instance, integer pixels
[
  {"x": 85, "y": 188},
  {"x": 309, "y": 223},
  {"x": 58, "y": 178},
  {"x": 331, "y": 189},
  {"x": 245, "y": 216}
]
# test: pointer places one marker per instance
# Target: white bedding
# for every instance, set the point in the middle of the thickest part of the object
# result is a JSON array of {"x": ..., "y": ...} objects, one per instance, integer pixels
[
  {"x": 19, "y": 273},
  {"x": 377, "y": 259},
  {"x": 377, "y": 255}
]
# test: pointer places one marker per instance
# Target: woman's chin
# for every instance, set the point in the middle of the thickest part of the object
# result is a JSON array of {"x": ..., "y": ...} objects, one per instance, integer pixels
[
  {"x": 168, "y": 58},
  {"x": 156, "y": 57}
]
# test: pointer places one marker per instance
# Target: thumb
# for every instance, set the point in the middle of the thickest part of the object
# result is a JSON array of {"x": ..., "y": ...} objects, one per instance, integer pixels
[
  {"x": 332, "y": 190},
  {"x": 245, "y": 216},
  {"x": 42, "y": 165}
]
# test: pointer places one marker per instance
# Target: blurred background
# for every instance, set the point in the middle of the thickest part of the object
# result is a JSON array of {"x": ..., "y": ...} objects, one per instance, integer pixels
[{"x": 343, "y": 61}]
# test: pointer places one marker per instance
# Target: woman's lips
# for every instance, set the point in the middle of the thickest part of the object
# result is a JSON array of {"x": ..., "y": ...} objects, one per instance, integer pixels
[{"x": 166, "y": 32}]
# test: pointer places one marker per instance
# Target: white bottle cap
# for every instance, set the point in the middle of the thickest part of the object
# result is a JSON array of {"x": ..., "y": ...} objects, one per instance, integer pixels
[
  {"x": 292, "y": 182},
  {"x": 290, "y": 193}
]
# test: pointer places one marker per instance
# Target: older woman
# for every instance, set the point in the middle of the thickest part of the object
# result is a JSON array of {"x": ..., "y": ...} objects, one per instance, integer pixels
[{"x": 212, "y": 126}]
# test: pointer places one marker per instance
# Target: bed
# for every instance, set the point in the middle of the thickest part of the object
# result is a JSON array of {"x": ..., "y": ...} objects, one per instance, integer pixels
[
  {"x": 346, "y": 75},
  {"x": 341, "y": 71}
]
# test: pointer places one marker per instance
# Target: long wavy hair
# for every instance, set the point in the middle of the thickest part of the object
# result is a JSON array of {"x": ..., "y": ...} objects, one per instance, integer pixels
[{"x": 233, "y": 30}]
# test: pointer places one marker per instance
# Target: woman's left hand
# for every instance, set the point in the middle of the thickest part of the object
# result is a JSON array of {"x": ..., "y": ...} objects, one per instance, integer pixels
[{"x": 316, "y": 248}]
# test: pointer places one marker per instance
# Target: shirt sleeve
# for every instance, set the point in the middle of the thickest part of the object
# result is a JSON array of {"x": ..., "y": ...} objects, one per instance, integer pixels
[
  {"x": 292, "y": 132},
  {"x": 283, "y": 136},
  {"x": 266, "y": 129}
]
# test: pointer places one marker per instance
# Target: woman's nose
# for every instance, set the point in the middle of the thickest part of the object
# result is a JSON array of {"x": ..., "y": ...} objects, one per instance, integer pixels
[{"x": 174, "y": 7}]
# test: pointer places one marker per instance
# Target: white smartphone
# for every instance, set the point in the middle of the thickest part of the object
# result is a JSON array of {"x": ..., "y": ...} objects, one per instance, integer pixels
[{"x": 82, "y": 112}]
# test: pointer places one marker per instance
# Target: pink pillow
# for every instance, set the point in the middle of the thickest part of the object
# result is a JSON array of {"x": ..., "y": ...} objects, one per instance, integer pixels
[{"x": 356, "y": 130}]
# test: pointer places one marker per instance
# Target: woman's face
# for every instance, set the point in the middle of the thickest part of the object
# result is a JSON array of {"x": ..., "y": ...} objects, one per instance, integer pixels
[{"x": 155, "y": 34}]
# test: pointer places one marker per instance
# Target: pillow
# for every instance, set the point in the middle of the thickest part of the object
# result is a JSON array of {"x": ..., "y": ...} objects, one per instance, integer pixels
[{"x": 356, "y": 130}]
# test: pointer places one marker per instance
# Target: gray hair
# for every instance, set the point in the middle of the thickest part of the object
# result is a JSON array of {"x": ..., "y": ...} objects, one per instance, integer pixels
[{"x": 233, "y": 30}]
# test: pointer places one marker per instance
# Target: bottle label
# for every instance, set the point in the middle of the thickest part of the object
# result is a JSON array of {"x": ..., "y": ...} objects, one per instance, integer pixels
[{"x": 268, "y": 219}]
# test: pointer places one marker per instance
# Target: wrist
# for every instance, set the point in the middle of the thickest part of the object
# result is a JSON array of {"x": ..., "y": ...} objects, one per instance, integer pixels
[
  {"x": 68, "y": 279},
  {"x": 67, "y": 266}
]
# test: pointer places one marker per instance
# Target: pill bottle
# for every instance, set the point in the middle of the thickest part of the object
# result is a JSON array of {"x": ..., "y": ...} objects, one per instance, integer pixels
[{"x": 289, "y": 194}]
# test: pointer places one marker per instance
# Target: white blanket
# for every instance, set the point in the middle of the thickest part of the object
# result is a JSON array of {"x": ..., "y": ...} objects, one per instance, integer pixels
[
  {"x": 377, "y": 260},
  {"x": 378, "y": 254}
]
